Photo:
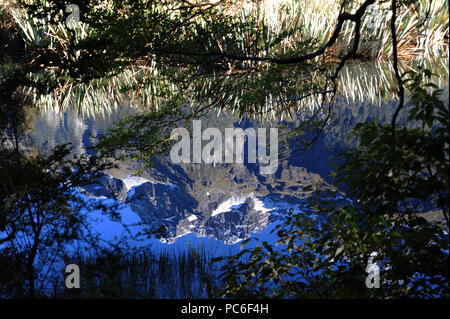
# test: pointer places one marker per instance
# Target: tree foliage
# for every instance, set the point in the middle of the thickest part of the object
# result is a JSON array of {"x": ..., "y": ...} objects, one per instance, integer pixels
[
  {"x": 324, "y": 251},
  {"x": 39, "y": 207}
]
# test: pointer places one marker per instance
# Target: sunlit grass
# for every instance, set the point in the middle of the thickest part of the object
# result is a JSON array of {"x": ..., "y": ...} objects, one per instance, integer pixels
[{"x": 315, "y": 19}]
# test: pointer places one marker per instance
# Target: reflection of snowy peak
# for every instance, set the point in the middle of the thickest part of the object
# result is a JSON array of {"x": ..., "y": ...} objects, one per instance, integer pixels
[
  {"x": 236, "y": 220},
  {"x": 209, "y": 211},
  {"x": 224, "y": 201},
  {"x": 160, "y": 205}
]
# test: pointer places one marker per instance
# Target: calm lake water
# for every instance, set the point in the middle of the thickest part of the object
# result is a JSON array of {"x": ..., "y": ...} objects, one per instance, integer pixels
[{"x": 226, "y": 201}]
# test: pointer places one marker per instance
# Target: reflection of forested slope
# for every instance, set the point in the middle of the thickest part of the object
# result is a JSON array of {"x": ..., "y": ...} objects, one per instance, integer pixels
[
  {"x": 51, "y": 129},
  {"x": 337, "y": 135},
  {"x": 54, "y": 128}
]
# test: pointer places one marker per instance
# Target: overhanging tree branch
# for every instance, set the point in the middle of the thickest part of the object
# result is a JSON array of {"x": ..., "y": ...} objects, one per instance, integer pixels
[
  {"x": 401, "y": 92},
  {"x": 343, "y": 16}
]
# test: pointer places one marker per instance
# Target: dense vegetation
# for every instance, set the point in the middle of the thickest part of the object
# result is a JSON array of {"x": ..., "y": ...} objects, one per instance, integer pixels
[
  {"x": 183, "y": 59},
  {"x": 389, "y": 177},
  {"x": 144, "y": 274}
]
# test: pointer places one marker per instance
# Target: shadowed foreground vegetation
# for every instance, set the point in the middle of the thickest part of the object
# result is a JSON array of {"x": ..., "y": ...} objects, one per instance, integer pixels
[{"x": 143, "y": 274}]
